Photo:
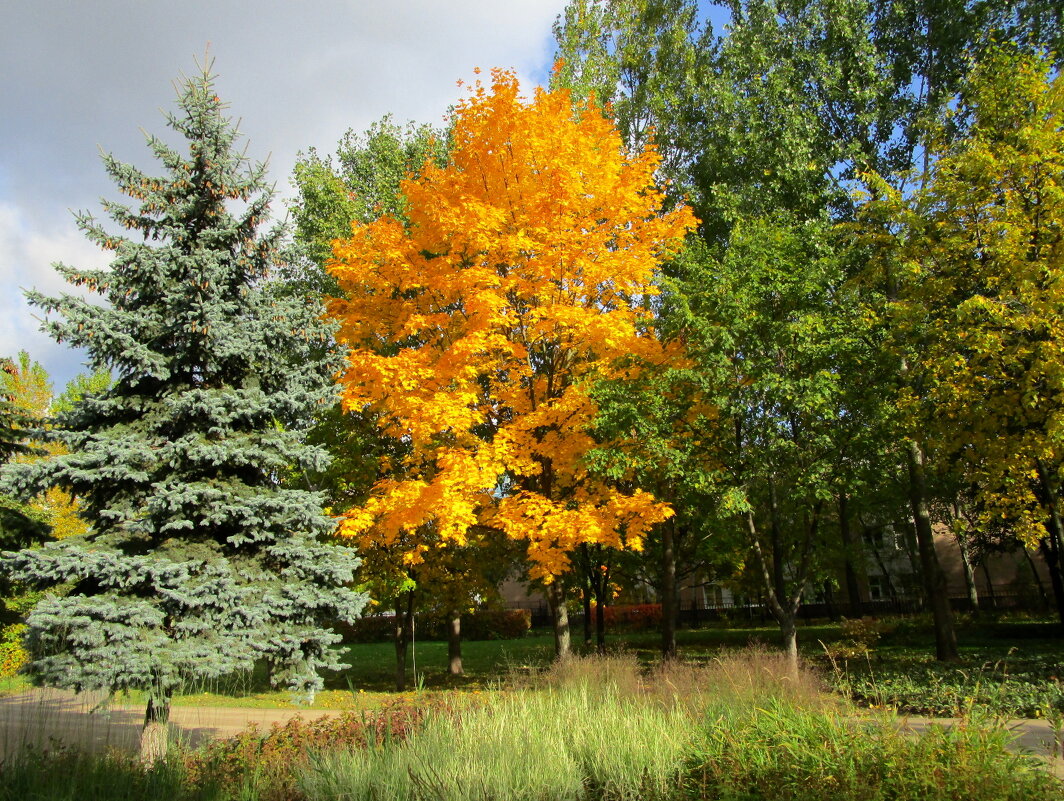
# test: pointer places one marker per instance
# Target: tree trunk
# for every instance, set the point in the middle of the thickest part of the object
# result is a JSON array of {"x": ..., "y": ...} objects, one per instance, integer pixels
[
  {"x": 989, "y": 585},
  {"x": 587, "y": 611},
  {"x": 668, "y": 590},
  {"x": 829, "y": 601},
  {"x": 1037, "y": 578},
  {"x": 790, "y": 642},
  {"x": 602, "y": 586},
  {"x": 560, "y": 615},
  {"x": 154, "y": 737},
  {"x": 912, "y": 550},
  {"x": 969, "y": 573},
  {"x": 454, "y": 644},
  {"x": 930, "y": 569},
  {"x": 783, "y": 606},
  {"x": 892, "y": 590},
  {"x": 600, "y": 622},
  {"x": 849, "y": 549},
  {"x": 1051, "y": 544},
  {"x": 1051, "y": 553},
  {"x": 400, "y": 644}
]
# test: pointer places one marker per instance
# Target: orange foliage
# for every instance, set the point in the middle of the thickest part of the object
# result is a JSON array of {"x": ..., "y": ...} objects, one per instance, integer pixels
[{"x": 474, "y": 329}]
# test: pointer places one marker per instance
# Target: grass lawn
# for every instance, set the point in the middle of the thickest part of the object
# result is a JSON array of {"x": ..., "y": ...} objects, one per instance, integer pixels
[{"x": 1012, "y": 668}]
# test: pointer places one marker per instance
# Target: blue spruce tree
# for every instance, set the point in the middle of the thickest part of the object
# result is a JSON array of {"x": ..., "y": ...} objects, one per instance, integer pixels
[{"x": 202, "y": 560}]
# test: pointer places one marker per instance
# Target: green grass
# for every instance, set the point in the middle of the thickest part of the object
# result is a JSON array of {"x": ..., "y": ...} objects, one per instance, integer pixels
[
  {"x": 484, "y": 663},
  {"x": 995, "y": 676}
]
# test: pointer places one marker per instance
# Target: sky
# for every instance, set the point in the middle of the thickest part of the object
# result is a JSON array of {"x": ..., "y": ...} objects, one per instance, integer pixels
[{"x": 85, "y": 76}]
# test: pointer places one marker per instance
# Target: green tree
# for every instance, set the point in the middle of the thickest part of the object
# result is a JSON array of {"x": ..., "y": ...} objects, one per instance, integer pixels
[
  {"x": 199, "y": 562},
  {"x": 635, "y": 57},
  {"x": 782, "y": 114},
  {"x": 30, "y": 388},
  {"x": 740, "y": 137},
  {"x": 79, "y": 387},
  {"x": 775, "y": 338},
  {"x": 977, "y": 254},
  {"x": 360, "y": 183},
  {"x": 651, "y": 426},
  {"x": 21, "y": 524}
]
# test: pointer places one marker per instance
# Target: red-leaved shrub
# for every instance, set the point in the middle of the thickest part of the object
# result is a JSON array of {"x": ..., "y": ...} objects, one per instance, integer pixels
[{"x": 631, "y": 617}]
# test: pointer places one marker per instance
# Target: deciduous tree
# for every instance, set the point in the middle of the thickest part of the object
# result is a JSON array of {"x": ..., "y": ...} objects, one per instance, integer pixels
[
  {"x": 477, "y": 325},
  {"x": 978, "y": 253}
]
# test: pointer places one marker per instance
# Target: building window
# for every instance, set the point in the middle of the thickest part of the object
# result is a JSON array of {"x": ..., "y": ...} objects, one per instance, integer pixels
[
  {"x": 877, "y": 588},
  {"x": 881, "y": 538}
]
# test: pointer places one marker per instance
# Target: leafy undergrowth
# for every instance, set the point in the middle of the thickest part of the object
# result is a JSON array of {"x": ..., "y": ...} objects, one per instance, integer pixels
[
  {"x": 781, "y": 751},
  {"x": 1019, "y": 686}
]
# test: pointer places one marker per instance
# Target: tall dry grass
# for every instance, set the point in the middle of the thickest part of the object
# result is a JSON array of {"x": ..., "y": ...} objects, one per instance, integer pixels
[
  {"x": 587, "y": 727},
  {"x": 742, "y": 727}
]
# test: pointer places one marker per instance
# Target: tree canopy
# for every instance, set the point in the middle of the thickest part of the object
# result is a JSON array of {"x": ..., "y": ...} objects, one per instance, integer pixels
[{"x": 477, "y": 326}]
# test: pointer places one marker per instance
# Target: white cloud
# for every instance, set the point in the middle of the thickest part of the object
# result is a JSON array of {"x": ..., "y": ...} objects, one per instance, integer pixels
[
  {"x": 298, "y": 74},
  {"x": 27, "y": 253}
]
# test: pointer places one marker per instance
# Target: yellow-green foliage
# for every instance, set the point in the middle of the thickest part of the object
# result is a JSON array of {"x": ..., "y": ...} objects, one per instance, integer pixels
[
  {"x": 13, "y": 655},
  {"x": 977, "y": 253}
]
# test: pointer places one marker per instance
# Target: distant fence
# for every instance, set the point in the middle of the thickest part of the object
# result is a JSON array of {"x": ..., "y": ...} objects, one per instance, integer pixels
[{"x": 694, "y": 614}]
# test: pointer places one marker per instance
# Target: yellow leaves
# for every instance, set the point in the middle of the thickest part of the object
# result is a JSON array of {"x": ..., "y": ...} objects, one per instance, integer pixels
[
  {"x": 474, "y": 329},
  {"x": 554, "y": 528}
]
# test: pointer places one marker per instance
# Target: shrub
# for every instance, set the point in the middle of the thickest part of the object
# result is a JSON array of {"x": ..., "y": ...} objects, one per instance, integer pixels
[
  {"x": 372, "y": 628},
  {"x": 496, "y": 624},
  {"x": 13, "y": 655},
  {"x": 263, "y": 765},
  {"x": 630, "y": 617},
  {"x": 783, "y": 751},
  {"x": 860, "y": 636}
]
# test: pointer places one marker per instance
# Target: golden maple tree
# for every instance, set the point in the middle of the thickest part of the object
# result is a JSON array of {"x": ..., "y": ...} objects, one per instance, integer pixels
[{"x": 476, "y": 327}]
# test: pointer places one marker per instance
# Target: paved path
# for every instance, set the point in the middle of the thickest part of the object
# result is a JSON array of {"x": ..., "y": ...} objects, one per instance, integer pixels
[{"x": 42, "y": 715}]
